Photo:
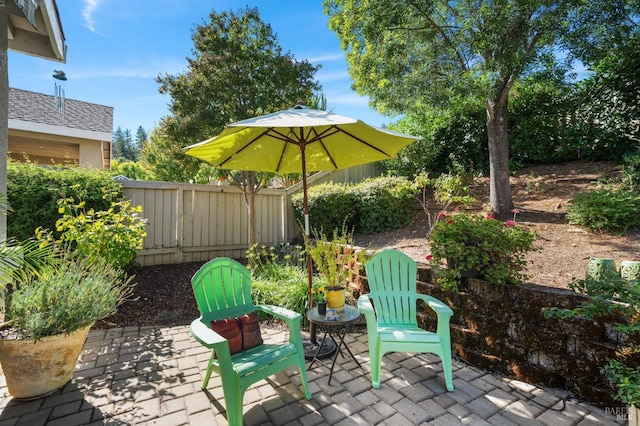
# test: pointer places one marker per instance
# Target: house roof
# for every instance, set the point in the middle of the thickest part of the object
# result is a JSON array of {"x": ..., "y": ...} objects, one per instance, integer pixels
[{"x": 27, "y": 107}]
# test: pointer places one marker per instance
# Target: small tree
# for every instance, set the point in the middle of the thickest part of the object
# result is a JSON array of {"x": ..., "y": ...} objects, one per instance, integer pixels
[{"x": 238, "y": 71}]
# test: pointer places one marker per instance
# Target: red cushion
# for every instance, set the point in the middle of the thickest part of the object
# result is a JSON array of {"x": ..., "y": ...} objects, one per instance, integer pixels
[{"x": 241, "y": 332}]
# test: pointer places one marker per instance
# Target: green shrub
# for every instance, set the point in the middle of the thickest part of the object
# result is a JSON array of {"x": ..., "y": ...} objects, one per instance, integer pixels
[
  {"x": 330, "y": 206},
  {"x": 468, "y": 242},
  {"x": 605, "y": 210},
  {"x": 278, "y": 277},
  {"x": 382, "y": 204},
  {"x": 115, "y": 234},
  {"x": 33, "y": 192}
]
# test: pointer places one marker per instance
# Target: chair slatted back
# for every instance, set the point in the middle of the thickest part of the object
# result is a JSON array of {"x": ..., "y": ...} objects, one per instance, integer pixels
[
  {"x": 392, "y": 282},
  {"x": 222, "y": 289}
]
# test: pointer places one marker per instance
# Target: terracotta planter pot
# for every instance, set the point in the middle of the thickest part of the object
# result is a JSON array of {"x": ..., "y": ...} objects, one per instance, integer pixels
[{"x": 35, "y": 369}]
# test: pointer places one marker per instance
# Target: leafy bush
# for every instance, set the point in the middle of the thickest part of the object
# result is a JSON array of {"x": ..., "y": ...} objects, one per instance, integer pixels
[
  {"x": 383, "y": 203},
  {"x": 605, "y": 210},
  {"x": 468, "y": 242},
  {"x": 330, "y": 206},
  {"x": 29, "y": 186},
  {"x": 115, "y": 234},
  {"x": 452, "y": 141}
]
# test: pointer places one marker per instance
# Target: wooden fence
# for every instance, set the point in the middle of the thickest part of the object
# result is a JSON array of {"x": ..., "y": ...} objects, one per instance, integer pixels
[{"x": 194, "y": 223}]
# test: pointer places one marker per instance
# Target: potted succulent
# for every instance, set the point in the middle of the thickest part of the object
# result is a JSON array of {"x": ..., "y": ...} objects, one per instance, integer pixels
[
  {"x": 337, "y": 262},
  {"x": 48, "y": 315},
  {"x": 471, "y": 244}
]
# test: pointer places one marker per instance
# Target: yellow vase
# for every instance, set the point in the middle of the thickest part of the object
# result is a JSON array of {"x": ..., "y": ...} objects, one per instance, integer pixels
[{"x": 335, "y": 299}]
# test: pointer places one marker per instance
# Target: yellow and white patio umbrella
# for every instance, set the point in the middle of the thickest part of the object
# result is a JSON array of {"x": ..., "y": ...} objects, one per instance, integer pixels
[{"x": 299, "y": 140}]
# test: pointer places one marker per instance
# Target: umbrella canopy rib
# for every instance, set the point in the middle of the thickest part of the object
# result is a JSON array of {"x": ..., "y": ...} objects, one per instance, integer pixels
[
  {"x": 238, "y": 151},
  {"x": 351, "y": 135}
]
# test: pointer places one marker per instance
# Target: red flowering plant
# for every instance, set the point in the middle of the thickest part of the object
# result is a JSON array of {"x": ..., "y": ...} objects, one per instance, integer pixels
[{"x": 493, "y": 249}]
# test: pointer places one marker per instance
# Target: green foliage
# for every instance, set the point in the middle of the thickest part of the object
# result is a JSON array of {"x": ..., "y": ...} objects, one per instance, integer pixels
[
  {"x": 124, "y": 147},
  {"x": 453, "y": 140},
  {"x": 472, "y": 242},
  {"x": 447, "y": 190},
  {"x": 336, "y": 260},
  {"x": 163, "y": 157},
  {"x": 30, "y": 186},
  {"x": 631, "y": 171},
  {"x": 374, "y": 205},
  {"x": 74, "y": 294},
  {"x": 114, "y": 234},
  {"x": 383, "y": 203},
  {"x": 404, "y": 54},
  {"x": 608, "y": 296},
  {"x": 605, "y": 210},
  {"x": 540, "y": 126},
  {"x": 330, "y": 206},
  {"x": 130, "y": 169},
  {"x": 278, "y": 277}
]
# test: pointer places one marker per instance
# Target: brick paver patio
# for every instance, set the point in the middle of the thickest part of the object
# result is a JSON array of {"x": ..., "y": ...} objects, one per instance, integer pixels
[{"x": 152, "y": 376}]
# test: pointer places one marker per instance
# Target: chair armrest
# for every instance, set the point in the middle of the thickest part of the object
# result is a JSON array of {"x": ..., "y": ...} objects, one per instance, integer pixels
[
  {"x": 205, "y": 335},
  {"x": 284, "y": 314},
  {"x": 212, "y": 340},
  {"x": 438, "y": 306},
  {"x": 366, "y": 308}
]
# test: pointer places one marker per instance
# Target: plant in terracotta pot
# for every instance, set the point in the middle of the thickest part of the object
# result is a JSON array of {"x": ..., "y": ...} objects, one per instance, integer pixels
[
  {"x": 54, "y": 294},
  {"x": 471, "y": 244},
  {"x": 53, "y": 307},
  {"x": 336, "y": 260}
]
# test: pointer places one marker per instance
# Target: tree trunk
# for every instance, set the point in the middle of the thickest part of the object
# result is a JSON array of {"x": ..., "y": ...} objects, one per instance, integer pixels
[{"x": 497, "y": 132}]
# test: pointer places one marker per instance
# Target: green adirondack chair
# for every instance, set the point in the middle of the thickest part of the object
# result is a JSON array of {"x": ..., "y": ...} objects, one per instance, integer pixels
[
  {"x": 390, "y": 312},
  {"x": 222, "y": 288}
]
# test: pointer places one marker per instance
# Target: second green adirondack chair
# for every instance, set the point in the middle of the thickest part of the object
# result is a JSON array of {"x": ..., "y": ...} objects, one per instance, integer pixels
[
  {"x": 222, "y": 288},
  {"x": 390, "y": 311}
]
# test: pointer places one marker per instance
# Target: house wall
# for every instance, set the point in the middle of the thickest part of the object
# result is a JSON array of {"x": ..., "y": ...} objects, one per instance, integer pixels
[{"x": 48, "y": 149}]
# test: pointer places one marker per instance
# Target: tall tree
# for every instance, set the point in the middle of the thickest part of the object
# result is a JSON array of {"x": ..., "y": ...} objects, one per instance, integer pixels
[
  {"x": 238, "y": 71},
  {"x": 405, "y": 53}
]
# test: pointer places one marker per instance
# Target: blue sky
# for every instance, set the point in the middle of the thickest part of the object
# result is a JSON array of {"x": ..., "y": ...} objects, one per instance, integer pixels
[{"x": 116, "y": 49}]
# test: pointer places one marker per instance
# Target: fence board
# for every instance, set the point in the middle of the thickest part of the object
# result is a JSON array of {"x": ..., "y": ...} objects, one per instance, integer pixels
[{"x": 194, "y": 223}]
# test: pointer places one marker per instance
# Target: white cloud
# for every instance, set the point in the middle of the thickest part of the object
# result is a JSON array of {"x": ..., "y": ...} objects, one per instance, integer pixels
[
  {"x": 327, "y": 57},
  {"x": 87, "y": 13}
]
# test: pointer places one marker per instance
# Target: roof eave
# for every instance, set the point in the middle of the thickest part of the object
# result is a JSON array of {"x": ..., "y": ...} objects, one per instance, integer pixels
[{"x": 43, "y": 37}]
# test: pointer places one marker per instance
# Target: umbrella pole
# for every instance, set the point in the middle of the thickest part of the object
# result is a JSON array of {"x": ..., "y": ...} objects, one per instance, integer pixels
[{"x": 307, "y": 237}]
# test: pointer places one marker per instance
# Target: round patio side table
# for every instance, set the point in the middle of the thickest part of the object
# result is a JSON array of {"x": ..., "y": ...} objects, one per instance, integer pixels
[{"x": 334, "y": 328}]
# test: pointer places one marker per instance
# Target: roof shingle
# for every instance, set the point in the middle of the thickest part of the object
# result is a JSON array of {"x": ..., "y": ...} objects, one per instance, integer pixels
[{"x": 40, "y": 108}]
